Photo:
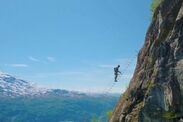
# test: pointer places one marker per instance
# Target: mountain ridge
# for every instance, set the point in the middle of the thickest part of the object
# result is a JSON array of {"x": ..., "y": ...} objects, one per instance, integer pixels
[
  {"x": 11, "y": 86},
  {"x": 20, "y": 103}
]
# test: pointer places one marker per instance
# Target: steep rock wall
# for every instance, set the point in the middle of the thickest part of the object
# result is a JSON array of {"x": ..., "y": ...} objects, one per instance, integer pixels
[{"x": 155, "y": 93}]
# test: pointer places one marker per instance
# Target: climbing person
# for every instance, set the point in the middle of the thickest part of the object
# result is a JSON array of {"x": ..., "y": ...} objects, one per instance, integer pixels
[{"x": 116, "y": 73}]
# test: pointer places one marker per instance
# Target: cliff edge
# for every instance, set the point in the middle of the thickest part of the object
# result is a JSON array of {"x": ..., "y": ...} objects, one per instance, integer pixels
[{"x": 155, "y": 93}]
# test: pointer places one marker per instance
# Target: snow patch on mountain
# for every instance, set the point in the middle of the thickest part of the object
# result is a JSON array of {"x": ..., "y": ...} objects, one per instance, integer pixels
[{"x": 12, "y": 86}]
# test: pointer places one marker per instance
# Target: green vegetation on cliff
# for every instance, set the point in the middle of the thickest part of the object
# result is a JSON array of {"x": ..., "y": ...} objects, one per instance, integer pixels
[{"x": 154, "y": 5}]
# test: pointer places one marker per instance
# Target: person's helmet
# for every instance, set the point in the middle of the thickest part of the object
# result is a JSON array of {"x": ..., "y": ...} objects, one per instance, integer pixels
[{"x": 118, "y": 65}]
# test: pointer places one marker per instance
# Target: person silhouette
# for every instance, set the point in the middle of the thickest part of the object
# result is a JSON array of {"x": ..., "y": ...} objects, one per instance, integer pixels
[{"x": 116, "y": 73}]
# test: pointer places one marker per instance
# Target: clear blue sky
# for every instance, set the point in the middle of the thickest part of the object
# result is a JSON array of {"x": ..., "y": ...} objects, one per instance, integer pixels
[{"x": 72, "y": 44}]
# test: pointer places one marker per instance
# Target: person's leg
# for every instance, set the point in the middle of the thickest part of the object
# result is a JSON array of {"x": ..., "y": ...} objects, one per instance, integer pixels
[{"x": 116, "y": 78}]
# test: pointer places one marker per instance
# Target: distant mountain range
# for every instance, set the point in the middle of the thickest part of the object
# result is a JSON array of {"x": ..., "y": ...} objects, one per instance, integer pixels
[
  {"x": 14, "y": 87},
  {"x": 21, "y": 101},
  {"x": 11, "y": 86}
]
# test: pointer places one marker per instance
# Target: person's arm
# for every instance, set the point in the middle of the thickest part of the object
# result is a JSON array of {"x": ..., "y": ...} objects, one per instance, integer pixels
[{"x": 119, "y": 72}]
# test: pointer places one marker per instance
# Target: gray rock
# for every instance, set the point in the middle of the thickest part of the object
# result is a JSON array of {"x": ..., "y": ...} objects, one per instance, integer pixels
[{"x": 155, "y": 93}]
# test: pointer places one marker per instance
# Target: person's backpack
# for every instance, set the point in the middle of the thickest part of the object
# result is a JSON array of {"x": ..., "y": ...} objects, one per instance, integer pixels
[{"x": 115, "y": 70}]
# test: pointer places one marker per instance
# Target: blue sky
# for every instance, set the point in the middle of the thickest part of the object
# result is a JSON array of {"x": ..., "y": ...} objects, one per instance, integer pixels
[{"x": 72, "y": 44}]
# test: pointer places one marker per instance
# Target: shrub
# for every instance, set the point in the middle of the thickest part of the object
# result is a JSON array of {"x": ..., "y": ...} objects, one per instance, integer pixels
[
  {"x": 154, "y": 5},
  {"x": 108, "y": 114}
]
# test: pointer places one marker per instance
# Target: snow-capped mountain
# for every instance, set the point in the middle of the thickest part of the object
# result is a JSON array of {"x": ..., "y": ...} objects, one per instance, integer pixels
[
  {"x": 12, "y": 86},
  {"x": 21, "y": 101}
]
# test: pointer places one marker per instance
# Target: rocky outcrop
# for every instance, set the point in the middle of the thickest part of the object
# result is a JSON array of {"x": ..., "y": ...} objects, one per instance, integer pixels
[{"x": 155, "y": 93}]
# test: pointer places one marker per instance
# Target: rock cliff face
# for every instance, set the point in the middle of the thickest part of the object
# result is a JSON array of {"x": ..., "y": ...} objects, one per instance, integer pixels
[{"x": 155, "y": 93}]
